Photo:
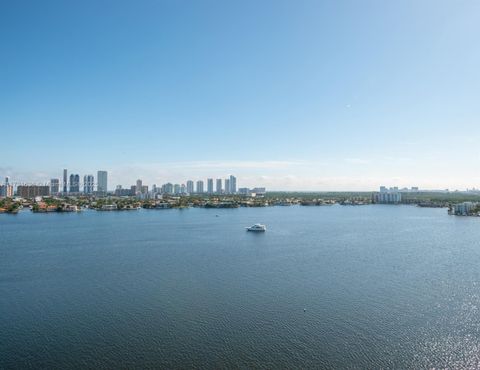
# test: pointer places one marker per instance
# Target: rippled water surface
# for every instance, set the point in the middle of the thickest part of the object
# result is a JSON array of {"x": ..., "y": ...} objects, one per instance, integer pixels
[{"x": 325, "y": 287}]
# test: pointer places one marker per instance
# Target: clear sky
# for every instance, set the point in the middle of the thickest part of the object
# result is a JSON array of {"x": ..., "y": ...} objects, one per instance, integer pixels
[{"x": 294, "y": 95}]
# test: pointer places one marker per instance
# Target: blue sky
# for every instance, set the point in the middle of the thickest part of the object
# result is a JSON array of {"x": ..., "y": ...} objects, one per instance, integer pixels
[{"x": 294, "y": 95}]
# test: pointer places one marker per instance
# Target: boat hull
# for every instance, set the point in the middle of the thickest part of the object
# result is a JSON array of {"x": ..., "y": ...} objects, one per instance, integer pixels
[{"x": 256, "y": 230}]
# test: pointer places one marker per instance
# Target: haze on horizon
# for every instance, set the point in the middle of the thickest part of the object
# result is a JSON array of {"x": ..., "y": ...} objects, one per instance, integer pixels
[{"x": 291, "y": 95}]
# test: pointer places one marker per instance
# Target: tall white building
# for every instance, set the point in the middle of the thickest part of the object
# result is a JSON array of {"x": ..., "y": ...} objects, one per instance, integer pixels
[
  {"x": 199, "y": 186},
  {"x": 233, "y": 184},
  {"x": 210, "y": 186},
  {"x": 88, "y": 184},
  {"x": 65, "y": 181},
  {"x": 218, "y": 188},
  {"x": 54, "y": 186},
  {"x": 74, "y": 183},
  {"x": 227, "y": 186},
  {"x": 102, "y": 182},
  {"x": 167, "y": 188},
  {"x": 190, "y": 186},
  {"x": 138, "y": 187}
]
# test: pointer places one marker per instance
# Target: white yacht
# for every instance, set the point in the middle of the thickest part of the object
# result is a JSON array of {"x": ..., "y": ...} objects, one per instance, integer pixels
[{"x": 257, "y": 227}]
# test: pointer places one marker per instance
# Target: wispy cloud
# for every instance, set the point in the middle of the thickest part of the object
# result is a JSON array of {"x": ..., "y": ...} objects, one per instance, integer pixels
[
  {"x": 357, "y": 161},
  {"x": 397, "y": 160}
]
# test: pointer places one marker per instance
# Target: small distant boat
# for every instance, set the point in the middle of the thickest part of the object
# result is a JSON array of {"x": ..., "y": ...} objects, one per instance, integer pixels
[{"x": 257, "y": 227}]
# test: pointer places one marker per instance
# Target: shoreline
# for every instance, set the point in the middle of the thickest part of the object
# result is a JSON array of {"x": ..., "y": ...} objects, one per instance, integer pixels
[
  {"x": 456, "y": 204},
  {"x": 87, "y": 209}
]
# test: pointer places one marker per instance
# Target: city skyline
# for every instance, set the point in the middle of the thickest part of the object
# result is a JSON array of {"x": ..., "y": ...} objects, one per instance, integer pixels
[
  {"x": 72, "y": 183},
  {"x": 213, "y": 186},
  {"x": 294, "y": 96},
  {"x": 152, "y": 177}
]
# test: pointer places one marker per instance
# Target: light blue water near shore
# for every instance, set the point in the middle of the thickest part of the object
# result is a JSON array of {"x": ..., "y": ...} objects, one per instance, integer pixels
[{"x": 383, "y": 287}]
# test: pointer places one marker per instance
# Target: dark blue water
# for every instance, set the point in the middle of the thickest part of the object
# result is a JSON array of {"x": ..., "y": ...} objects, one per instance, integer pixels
[{"x": 382, "y": 287}]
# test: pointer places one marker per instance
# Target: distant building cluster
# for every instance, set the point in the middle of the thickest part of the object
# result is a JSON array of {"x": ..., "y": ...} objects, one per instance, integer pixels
[
  {"x": 212, "y": 186},
  {"x": 464, "y": 208},
  {"x": 387, "y": 196},
  {"x": 72, "y": 184}
]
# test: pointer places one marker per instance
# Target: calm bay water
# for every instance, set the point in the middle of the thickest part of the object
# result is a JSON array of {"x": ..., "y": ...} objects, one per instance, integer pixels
[{"x": 324, "y": 287}]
